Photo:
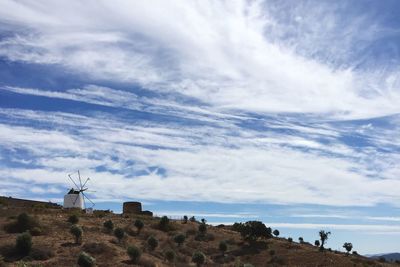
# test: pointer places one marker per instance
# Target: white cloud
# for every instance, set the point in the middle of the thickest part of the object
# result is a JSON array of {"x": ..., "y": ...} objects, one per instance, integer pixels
[{"x": 238, "y": 62}]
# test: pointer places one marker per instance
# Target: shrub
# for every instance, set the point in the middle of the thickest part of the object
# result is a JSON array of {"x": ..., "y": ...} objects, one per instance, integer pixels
[
  {"x": 23, "y": 243},
  {"x": 41, "y": 254},
  {"x": 272, "y": 253},
  {"x": 85, "y": 260},
  {"x": 119, "y": 233},
  {"x": 203, "y": 229},
  {"x": 77, "y": 232},
  {"x": 169, "y": 255},
  {"x": 185, "y": 219},
  {"x": 109, "y": 225},
  {"x": 134, "y": 253},
  {"x": 252, "y": 230},
  {"x": 323, "y": 237},
  {"x": 152, "y": 242},
  {"x": 203, "y": 221},
  {"x": 192, "y": 219},
  {"x": 23, "y": 223},
  {"x": 316, "y": 243},
  {"x": 348, "y": 247},
  {"x": 74, "y": 219},
  {"x": 276, "y": 232},
  {"x": 179, "y": 239},
  {"x": 199, "y": 258},
  {"x": 301, "y": 240},
  {"x": 139, "y": 225},
  {"x": 290, "y": 240},
  {"x": 164, "y": 223},
  {"x": 355, "y": 252},
  {"x": 223, "y": 247}
]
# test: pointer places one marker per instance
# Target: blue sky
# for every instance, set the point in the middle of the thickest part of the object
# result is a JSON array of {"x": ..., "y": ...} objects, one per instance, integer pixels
[{"x": 285, "y": 112}]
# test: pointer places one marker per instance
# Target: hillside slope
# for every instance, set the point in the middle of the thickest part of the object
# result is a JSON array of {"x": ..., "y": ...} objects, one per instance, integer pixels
[{"x": 55, "y": 246}]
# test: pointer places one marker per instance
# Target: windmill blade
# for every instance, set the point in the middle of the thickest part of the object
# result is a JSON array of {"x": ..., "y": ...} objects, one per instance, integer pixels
[
  {"x": 84, "y": 196},
  {"x": 69, "y": 175},
  {"x": 87, "y": 180},
  {"x": 80, "y": 181}
]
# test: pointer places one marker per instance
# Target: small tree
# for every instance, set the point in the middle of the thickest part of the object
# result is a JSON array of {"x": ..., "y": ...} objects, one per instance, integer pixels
[
  {"x": 85, "y": 260},
  {"x": 139, "y": 225},
  {"x": 301, "y": 240},
  {"x": 276, "y": 232},
  {"x": 316, "y": 243},
  {"x": 134, "y": 253},
  {"x": 74, "y": 219},
  {"x": 192, "y": 219},
  {"x": 348, "y": 247},
  {"x": 23, "y": 243},
  {"x": 119, "y": 233},
  {"x": 290, "y": 240},
  {"x": 152, "y": 242},
  {"x": 169, "y": 255},
  {"x": 323, "y": 237},
  {"x": 199, "y": 258},
  {"x": 203, "y": 221},
  {"x": 223, "y": 247},
  {"x": 185, "y": 219},
  {"x": 77, "y": 232},
  {"x": 179, "y": 239},
  {"x": 202, "y": 229},
  {"x": 109, "y": 225},
  {"x": 252, "y": 230},
  {"x": 164, "y": 223}
]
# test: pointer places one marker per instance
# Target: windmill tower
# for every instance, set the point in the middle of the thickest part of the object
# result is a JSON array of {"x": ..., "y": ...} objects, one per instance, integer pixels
[{"x": 75, "y": 198}]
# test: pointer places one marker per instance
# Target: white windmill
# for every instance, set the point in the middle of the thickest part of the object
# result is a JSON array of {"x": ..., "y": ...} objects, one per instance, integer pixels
[{"x": 75, "y": 198}]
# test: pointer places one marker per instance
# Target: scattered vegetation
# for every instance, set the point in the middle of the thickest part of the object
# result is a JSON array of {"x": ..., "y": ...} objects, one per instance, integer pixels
[
  {"x": 85, "y": 260},
  {"x": 119, "y": 233},
  {"x": 199, "y": 258},
  {"x": 348, "y": 247},
  {"x": 23, "y": 223},
  {"x": 164, "y": 223},
  {"x": 74, "y": 219},
  {"x": 252, "y": 230},
  {"x": 169, "y": 255},
  {"x": 139, "y": 225},
  {"x": 152, "y": 242},
  {"x": 23, "y": 243},
  {"x": 134, "y": 253},
  {"x": 109, "y": 225},
  {"x": 323, "y": 236},
  {"x": 223, "y": 247},
  {"x": 77, "y": 232},
  {"x": 179, "y": 239}
]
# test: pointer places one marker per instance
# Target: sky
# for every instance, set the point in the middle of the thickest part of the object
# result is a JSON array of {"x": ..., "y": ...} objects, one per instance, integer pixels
[{"x": 281, "y": 111}]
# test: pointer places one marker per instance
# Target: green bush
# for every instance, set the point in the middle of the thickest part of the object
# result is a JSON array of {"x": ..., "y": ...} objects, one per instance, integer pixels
[
  {"x": 164, "y": 223},
  {"x": 276, "y": 232},
  {"x": 252, "y": 230},
  {"x": 109, "y": 225},
  {"x": 23, "y": 243},
  {"x": 169, "y": 255},
  {"x": 185, "y": 219},
  {"x": 316, "y": 243},
  {"x": 290, "y": 240},
  {"x": 134, "y": 253},
  {"x": 139, "y": 225},
  {"x": 85, "y": 260},
  {"x": 348, "y": 247},
  {"x": 119, "y": 233},
  {"x": 223, "y": 247},
  {"x": 301, "y": 240},
  {"x": 35, "y": 231},
  {"x": 74, "y": 219},
  {"x": 152, "y": 242},
  {"x": 199, "y": 258},
  {"x": 77, "y": 232},
  {"x": 23, "y": 223},
  {"x": 179, "y": 239}
]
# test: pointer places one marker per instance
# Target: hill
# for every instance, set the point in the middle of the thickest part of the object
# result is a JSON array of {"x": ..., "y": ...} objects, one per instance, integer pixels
[
  {"x": 53, "y": 244},
  {"x": 387, "y": 256}
]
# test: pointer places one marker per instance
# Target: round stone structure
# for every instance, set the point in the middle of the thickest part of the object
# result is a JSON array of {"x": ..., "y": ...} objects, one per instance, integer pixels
[{"x": 132, "y": 207}]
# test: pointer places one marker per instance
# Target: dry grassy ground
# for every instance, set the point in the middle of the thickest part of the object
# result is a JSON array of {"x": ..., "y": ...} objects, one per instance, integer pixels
[{"x": 104, "y": 247}]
